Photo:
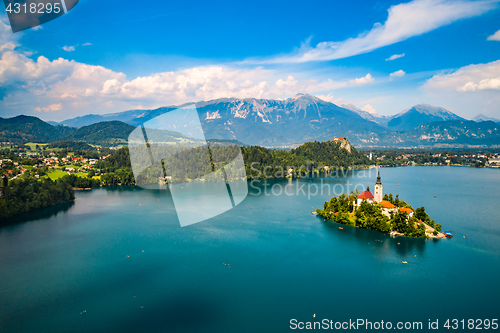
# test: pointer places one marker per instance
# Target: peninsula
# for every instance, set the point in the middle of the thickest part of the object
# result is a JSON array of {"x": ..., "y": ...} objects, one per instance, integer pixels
[{"x": 384, "y": 213}]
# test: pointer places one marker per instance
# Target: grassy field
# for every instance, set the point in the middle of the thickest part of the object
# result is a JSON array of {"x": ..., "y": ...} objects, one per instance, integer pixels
[
  {"x": 58, "y": 173},
  {"x": 32, "y": 145},
  {"x": 71, "y": 166},
  {"x": 81, "y": 174}
]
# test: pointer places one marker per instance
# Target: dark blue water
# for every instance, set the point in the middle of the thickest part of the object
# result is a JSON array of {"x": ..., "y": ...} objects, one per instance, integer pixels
[{"x": 108, "y": 264}]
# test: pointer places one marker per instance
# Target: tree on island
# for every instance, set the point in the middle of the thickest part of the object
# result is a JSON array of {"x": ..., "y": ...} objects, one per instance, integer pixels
[{"x": 369, "y": 215}]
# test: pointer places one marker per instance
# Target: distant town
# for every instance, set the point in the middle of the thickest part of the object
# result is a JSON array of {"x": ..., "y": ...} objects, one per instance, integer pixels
[
  {"x": 429, "y": 157},
  {"x": 38, "y": 160}
]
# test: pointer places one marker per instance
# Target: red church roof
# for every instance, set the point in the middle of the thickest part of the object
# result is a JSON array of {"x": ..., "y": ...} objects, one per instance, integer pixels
[{"x": 366, "y": 195}]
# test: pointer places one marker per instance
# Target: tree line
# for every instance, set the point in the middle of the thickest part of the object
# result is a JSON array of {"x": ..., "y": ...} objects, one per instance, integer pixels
[{"x": 25, "y": 194}]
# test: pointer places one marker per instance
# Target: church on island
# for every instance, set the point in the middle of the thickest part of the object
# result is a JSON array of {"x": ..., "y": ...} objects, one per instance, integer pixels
[{"x": 387, "y": 207}]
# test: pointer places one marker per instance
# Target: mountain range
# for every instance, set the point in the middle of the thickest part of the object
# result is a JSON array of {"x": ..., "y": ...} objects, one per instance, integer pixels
[
  {"x": 282, "y": 123},
  {"x": 481, "y": 117},
  {"x": 409, "y": 119}
]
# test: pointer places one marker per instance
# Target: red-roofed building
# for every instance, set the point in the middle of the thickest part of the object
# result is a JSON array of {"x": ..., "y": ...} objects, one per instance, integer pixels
[
  {"x": 366, "y": 195},
  {"x": 387, "y": 207},
  {"x": 386, "y": 204},
  {"x": 407, "y": 211}
]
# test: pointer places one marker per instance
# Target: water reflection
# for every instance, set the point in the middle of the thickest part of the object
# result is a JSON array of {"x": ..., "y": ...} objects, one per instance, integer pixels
[
  {"x": 39, "y": 214},
  {"x": 382, "y": 243}
]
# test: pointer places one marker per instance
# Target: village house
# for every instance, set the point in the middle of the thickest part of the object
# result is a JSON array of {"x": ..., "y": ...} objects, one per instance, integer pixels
[
  {"x": 387, "y": 208},
  {"x": 407, "y": 211}
]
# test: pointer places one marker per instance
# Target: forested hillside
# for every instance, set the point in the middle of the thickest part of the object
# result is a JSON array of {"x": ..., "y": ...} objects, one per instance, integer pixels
[
  {"x": 26, "y": 128},
  {"x": 108, "y": 133},
  {"x": 196, "y": 162}
]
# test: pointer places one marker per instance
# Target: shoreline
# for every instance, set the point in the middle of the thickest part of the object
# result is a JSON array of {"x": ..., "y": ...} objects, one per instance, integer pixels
[{"x": 393, "y": 234}]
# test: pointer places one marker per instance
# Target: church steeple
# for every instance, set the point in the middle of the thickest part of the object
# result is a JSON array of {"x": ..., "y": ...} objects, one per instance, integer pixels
[{"x": 379, "y": 189}]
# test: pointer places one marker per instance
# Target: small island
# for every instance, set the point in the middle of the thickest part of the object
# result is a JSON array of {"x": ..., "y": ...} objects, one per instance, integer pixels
[{"x": 384, "y": 213}]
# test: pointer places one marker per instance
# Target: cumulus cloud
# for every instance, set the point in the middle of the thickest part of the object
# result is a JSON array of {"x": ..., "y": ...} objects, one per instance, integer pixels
[
  {"x": 495, "y": 36},
  {"x": 8, "y": 40},
  {"x": 69, "y": 85},
  {"x": 397, "y": 73},
  {"x": 68, "y": 48},
  {"x": 469, "y": 78},
  {"x": 370, "y": 109},
  {"x": 481, "y": 85},
  {"x": 86, "y": 44},
  {"x": 404, "y": 21},
  {"x": 330, "y": 98},
  {"x": 363, "y": 80},
  {"x": 395, "y": 56},
  {"x": 67, "y": 88},
  {"x": 53, "y": 107}
]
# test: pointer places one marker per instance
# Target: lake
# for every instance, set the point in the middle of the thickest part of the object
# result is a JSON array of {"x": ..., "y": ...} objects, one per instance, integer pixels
[{"x": 117, "y": 260}]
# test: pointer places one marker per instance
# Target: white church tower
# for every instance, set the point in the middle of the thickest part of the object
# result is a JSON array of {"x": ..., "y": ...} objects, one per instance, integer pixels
[{"x": 379, "y": 189}]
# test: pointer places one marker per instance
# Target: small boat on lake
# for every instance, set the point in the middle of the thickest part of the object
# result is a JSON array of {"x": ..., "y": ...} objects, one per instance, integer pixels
[
  {"x": 448, "y": 234},
  {"x": 341, "y": 228}
]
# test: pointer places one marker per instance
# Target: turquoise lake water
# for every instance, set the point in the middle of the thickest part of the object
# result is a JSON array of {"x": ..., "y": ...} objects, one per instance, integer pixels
[{"x": 108, "y": 264}]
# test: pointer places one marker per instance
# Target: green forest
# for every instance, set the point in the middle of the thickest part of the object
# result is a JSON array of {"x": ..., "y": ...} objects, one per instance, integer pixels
[
  {"x": 187, "y": 163},
  {"x": 25, "y": 194}
]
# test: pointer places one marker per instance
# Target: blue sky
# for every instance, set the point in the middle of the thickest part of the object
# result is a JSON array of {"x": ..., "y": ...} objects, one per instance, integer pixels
[{"x": 112, "y": 56}]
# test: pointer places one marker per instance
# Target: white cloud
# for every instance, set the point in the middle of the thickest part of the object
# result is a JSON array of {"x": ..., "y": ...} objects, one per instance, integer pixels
[
  {"x": 8, "y": 40},
  {"x": 370, "y": 109},
  {"x": 53, "y": 107},
  {"x": 495, "y": 36},
  {"x": 469, "y": 78},
  {"x": 86, "y": 44},
  {"x": 404, "y": 21},
  {"x": 330, "y": 98},
  {"x": 76, "y": 87},
  {"x": 68, "y": 48},
  {"x": 364, "y": 80},
  {"x": 7, "y": 46},
  {"x": 397, "y": 73},
  {"x": 481, "y": 85},
  {"x": 395, "y": 56},
  {"x": 466, "y": 91}
]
